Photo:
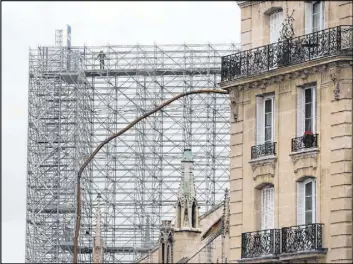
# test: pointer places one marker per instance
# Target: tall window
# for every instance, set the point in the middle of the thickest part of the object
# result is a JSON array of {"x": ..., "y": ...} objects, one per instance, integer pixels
[
  {"x": 265, "y": 119},
  {"x": 276, "y": 20},
  {"x": 306, "y": 110},
  {"x": 314, "y": 16},
  {"x": 269, "y": 119},
  {"x": 306, "y": 202},
  {"x": 267, "y": 207}
]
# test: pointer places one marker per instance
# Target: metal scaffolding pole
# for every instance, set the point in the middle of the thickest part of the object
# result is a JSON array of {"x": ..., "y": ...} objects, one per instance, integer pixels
[{"x": 74, "y": 105}]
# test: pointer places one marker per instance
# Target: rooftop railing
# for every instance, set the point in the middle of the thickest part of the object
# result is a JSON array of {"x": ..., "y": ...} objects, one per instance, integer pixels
[{"x": 328, "y": 42}]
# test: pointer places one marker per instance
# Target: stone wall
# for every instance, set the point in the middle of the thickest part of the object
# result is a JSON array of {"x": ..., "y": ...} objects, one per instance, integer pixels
[{"x": 331, "y": 164}]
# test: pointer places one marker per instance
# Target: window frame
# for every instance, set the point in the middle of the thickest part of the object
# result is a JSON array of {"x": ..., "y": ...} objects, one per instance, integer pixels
[
  {"x": 301, "y": 110},
  {"x": 265, "y": 222},
  {"x": 301, "y": 201},
  {"x": 309, "y": 16},
  {"x": 261, "y": 118},
  {"x": 272, "y": 99},
  {"x": 277, "y": 22}
]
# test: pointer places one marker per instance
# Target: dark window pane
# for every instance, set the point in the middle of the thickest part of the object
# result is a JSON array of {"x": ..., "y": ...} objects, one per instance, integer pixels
[
  {"x": 316, "y": 7},
  {"x": 268, "y": 120},
  {"x": 308, "y": 189},
  {"x": 268, "y": 106},
  {"x": 308, "y": 126},
  {"x": 308, "y": 203},
  {"x": 308, "y": 217},
  {"x": 308, "y": 93},
  {"x": 308, "y": 110}
]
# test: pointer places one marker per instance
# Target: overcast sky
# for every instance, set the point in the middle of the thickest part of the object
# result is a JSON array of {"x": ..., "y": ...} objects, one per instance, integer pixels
[{"x": 29, "y": 24}]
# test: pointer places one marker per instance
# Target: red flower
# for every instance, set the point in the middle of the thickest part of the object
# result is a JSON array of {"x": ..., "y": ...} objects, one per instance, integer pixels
[{"x": 308, "y": 133}]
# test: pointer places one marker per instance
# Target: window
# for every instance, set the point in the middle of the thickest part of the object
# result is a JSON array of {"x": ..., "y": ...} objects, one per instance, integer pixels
[
  {"x": 267, "y": 208},
  {"x": 276, "y": 20},
  {"x": 314, "y": 16},
  {"x": 306, "y": 110},
  {"x": 265, "y": 119},
  {"x": 306, "y": 202}
]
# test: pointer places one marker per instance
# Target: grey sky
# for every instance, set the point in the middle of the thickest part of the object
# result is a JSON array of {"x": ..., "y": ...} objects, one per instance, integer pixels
[{"x": 29, "y": 24}]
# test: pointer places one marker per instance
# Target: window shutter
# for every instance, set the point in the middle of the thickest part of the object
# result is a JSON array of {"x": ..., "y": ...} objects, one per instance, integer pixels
[
  {"x": 272, "y": 28},
  {"x": 300, "y": 112},
  {"x": 300, "y": 203},
  {"x": 276, "y": 20},
  {"x": 267, "y": 208},
  {"x": 314, "y": 109},
  {"x": 314, "y": 200},
  {"x": 308, "y": 17},
  {"x": 273, "y": 119},
  {"x": 263, "y": 211},
  {"x": 270, "y": 212},
  {"x": 260, "y": 126}
]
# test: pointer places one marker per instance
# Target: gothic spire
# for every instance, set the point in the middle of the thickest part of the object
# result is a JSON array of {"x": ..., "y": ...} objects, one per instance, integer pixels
[
  {"x": 187, "y": 185},
  {"x": 187, "y": 206}
]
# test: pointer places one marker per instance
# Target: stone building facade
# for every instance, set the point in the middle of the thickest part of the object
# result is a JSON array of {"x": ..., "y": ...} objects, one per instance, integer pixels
[{"x": 291, "y": 132}]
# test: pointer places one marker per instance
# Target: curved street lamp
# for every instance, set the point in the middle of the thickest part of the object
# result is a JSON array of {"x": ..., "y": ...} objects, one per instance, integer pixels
[{"x": 78, "y": 184}]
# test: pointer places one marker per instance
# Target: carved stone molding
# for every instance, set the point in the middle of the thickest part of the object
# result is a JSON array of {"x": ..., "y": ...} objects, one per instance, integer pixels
[
  {"x": 263, "y": 167},
  {"x": 234, "y": 103},
  {"x": 305, "y": 160},
  {"x": 335, "y": 76},
  {"x": 305, "y": 74}
]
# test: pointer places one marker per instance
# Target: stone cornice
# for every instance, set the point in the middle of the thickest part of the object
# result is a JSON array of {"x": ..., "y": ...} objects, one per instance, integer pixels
[
  {"x": 278, "y": 75},
  {"x": 242, "y": 4}
]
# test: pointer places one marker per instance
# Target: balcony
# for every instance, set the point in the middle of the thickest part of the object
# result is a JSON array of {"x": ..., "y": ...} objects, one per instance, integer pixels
[
  {"x": 300, "y": 143},
  {"x": 324, "y": 43},
  {"x": 302, "y": 238},
  {"x": 264, "y": 243},
  {"x": 269, "y": 148},
  {"x": 288, "y": 243}
]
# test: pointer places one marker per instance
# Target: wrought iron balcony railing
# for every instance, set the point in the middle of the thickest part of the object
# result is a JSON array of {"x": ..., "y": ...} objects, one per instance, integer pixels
[
  {"x": 302, "y": 238},
  {"x": 328, "y": 42},
  {"x": 299, "y": 143},
  {"x": 266, "y": 149},
  {"x": 304, "y": 143},
  {"x": 261, "y": 243}
]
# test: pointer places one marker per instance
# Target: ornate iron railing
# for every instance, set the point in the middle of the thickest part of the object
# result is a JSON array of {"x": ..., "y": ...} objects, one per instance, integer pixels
[
  {"x": 261, "y": 243},
  {"x": 302, "y": 238},
  {"x": 302, "y": 143},
  {"x": 328, "y": 42},
  {"x": 266, "y": 149}
]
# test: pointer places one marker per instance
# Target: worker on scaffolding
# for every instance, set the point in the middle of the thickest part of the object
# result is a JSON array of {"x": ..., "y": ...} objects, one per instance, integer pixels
[{"x": 101, "y": 56}]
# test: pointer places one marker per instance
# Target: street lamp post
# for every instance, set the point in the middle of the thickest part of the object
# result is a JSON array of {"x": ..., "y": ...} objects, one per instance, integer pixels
[{"x": 78, "y": 184}]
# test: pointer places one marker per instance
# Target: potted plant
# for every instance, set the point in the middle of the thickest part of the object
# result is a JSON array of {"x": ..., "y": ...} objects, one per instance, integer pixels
[{"x": 308, "y": 139}]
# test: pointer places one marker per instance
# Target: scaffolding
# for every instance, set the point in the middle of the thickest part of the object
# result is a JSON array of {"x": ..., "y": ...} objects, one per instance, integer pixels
[{"x": 76, "y": 100}]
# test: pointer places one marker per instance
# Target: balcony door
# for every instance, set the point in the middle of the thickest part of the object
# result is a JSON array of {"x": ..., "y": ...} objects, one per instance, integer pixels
[
  {"x": 265, "y": 119},
  {"x": 267, "y": 208},
  {"x": 306, "y": 202},
  {"x": 276, "y": 20}
]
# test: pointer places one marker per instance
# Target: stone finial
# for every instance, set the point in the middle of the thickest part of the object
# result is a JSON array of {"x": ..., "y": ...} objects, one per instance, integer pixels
[{"x": 187, "y": 206}]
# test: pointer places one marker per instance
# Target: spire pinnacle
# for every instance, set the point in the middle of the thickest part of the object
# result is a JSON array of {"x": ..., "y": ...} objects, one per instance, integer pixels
[
  {"x": 187, "y": 207},
  {"x": 98, "y": 243}
]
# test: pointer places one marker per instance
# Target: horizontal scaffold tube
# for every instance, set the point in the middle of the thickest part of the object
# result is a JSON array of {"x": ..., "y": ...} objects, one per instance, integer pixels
[{"x": 100, "y": 146}]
